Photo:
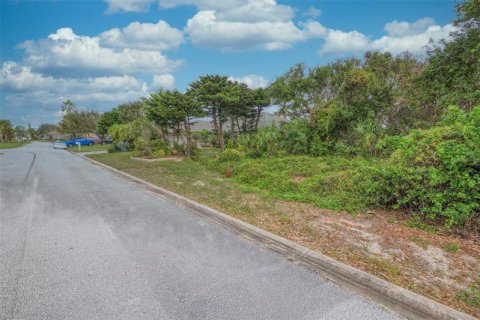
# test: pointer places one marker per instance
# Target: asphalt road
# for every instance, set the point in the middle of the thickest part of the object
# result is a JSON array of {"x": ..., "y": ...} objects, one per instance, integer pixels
[{"x": 78, "y": 242}]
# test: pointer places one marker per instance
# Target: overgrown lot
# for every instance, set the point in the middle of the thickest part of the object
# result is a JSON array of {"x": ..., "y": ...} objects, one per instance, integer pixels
[{"x": 277, "y": 196}]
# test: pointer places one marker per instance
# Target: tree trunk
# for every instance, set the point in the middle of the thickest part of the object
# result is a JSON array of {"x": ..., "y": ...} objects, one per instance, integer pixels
[
  {"x": 188, "y": 138},
  {"x": 215, "y": 123},
  {"x": 238, "y": 126},
  {"x": 232, "y": 126},
  {"x": 220, "y": 136},
  {"x": 257, "y": 119},
  {"x": 220, "y": 131}
]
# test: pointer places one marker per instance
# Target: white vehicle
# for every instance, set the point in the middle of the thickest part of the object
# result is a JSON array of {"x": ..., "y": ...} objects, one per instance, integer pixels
[{"x": 59, "y": 144}]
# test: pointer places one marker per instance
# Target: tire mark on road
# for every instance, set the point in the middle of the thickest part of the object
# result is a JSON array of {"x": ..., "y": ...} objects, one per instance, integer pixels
[
  {"x": 30, "y": 167},
  {"x": 28, "y": 219}
]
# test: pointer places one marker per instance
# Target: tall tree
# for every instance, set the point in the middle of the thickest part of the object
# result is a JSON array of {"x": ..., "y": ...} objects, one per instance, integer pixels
[
  {"x": 6, "y": 130},
  {"x": 77, "y": 122},
  {"x": 106, "y": 120},
  {"x": 46, "y": 130},
  {"x": 121, "y": 114},
  {"x": 212, "y": 93},
  {"x": 452, "y": 72},
  {"x": 261, "y": 99},
  {"x": 173, "y": 108},
  {"x": 20, "y": 133}
]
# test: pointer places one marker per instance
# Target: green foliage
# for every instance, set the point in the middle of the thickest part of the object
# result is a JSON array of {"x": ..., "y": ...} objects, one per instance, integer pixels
[
  {"x": 77, "y": 122},
  {"x": 329, "y": 182},
  {"x": 174, "y": 109},
  {"x": 46, "y": 131},
  {"x": 122, "y": 114},
  {"x": 437, "y": 171},
  {"x": 121, "y": 132},
  {"x": 151, "y": 148},
  {"x": 107, "y": 120},
  {"x": 451, "y": 73},
  {"x": 6, "y": 130},
  {"x": 230, "y": 155},
  {"x": 265, "y": 141},
  {"x": 140, "y": 135},
  {"x": 295, "y": 137},
  {"x": 415, "y": 223}
]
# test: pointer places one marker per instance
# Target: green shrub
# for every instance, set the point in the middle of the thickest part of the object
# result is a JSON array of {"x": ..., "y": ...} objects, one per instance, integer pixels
[
  {"x": 294, "y": 137},
  {"x": 230, "y": 155},
  {"x": 178, "y": 148},
  {"x": 265, "y": 141},
  {"x": 147, "y": 148},
  {"x": 158, "y": 153},
  {"x": 122, "y": 146},
  {"x": 437, "y": 171}
]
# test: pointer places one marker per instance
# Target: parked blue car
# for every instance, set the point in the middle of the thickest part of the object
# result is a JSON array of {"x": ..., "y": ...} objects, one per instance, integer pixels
[{"x": 82, "y": 141}]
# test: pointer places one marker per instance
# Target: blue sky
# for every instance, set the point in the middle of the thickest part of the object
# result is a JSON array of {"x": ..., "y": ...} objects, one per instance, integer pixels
[{"x": 102, "y": 53}]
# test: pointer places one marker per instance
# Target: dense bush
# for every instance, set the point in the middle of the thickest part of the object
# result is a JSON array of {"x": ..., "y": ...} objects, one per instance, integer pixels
[
  {"x": 434, "y": 172},
  {"x": 332, "y": 182},
  {"x": 230, "y": 155},
  {"x": 265, "y": 141},
  {"x": 437, "y": 171},
  {"x": 151, "y": 148},
  {"x": 295, "y": 137}
]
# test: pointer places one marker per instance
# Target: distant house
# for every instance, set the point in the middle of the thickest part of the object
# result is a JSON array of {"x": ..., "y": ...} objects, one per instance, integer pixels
[{"x": 265, "y": 120}]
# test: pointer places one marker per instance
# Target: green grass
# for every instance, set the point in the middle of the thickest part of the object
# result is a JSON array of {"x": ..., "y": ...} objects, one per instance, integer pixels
[
  {"x": 470, "y": 295},
  {"x": 414, "y": 223},
  {"x": 451, "y": 247},
  {"x": 191, "y": 179},
  {"x": 333, "y": 182},
  {"x": 95, "y": 147},
  {"x": 11, "y": 145}
]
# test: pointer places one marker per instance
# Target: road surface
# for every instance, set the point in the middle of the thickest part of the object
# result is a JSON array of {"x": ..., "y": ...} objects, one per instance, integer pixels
[{"x": 78, "y": 242}]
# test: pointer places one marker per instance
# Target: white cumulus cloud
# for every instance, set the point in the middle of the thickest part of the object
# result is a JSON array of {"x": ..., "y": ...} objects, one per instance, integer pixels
[
  {"x": 31, "y": 93},
  {"x": 128, "y": 5},
  {"x": 401, "y": 36},
  {"x": 162, "y": 81},
  {"x": 337, "y": 41},
  {"x": 255, "y": 11},
  {"x": 404, "y": 28},
  {"x": 253, "y": 81},
  {"x": 203, "y": 4},
  {"x": 19, "y": 78},
  {"x": 143, "y": 36},
  {"x": 412, "y": 39},
  {"x": 67, "y": 52},
  {"x": 312, "y": 12},
  {"x": 206, "y": 30}
]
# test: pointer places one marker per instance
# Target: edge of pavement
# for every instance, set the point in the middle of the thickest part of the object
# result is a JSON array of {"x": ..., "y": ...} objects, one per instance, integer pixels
[{"x": 405, "y": 302}]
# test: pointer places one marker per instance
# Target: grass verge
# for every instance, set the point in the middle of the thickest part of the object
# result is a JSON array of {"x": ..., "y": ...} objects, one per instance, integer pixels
[
  {"x": 11, "y": 145},
  {"x": 95, "y": 147}
]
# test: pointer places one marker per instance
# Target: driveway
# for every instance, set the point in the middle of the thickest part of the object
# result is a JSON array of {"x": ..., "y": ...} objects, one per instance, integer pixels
[{"x": 78, "y": 242}]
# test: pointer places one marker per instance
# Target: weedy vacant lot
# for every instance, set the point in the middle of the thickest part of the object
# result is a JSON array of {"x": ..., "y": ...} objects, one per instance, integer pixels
[{"x": 428, "y": 259}]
